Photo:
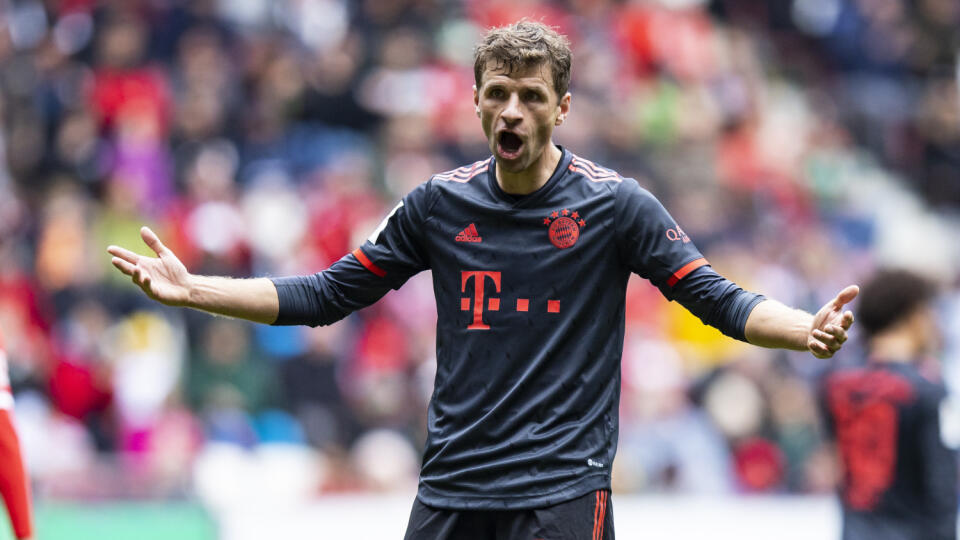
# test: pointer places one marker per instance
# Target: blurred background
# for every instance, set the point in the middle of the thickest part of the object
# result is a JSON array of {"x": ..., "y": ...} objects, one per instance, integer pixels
[{"x": 800, "y": 144}]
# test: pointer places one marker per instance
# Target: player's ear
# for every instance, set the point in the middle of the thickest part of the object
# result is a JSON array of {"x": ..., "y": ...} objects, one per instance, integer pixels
[
  {"x": 476, "y": 99},
  {"x": 563, "y": 108}
]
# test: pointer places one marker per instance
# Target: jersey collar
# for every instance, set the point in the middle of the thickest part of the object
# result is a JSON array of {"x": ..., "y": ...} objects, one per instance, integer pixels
[{"x": 530, "y": 198}]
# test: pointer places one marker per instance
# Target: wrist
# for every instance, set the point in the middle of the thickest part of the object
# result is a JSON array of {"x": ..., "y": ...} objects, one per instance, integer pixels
[
  {"x": 194, "y": 288},
  {"x": 802, "y": 331},
  {"x": 774, "y": 325}
]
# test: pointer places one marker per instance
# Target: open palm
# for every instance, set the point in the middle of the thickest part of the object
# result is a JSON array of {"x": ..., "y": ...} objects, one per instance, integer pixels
[{"x": 164, "y": 278}]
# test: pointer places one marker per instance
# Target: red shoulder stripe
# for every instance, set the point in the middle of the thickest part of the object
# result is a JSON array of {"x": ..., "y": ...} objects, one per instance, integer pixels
[
  {"x": 593, "y": 172},
  {"x": 600, "y": 171},
  {"x": 457, "y": 173},
  {"x": 686, "y": 269},
  {"x": 464, "y": 173},
  {"x": 368, "y": 264},
  {"x": 592, "y": 177}
]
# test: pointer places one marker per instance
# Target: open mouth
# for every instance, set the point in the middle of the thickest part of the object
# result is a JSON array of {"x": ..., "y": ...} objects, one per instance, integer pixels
[{"x": 509, "y": 144}]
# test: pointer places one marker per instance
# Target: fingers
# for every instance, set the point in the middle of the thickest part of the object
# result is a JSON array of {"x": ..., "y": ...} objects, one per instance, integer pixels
[
  {"x": 846, "y": 296},
  {"x": 819, "y": 349},
  {"x": 141, "y": 278},
  {"x": 825, "y": 338},
  {"x": 127, "y": 262},
  {"x": 837, "y": 333},
  {"x": 134, "y": 265},
  {"x": 847, "y": 320},
  {"x": 124, "y": 266},
  {"x": 824, "y": 343},
  {"x": 124, "y": 254},
  {"x": 153, "y": 242},
  {"x": 833, "y": 337}
]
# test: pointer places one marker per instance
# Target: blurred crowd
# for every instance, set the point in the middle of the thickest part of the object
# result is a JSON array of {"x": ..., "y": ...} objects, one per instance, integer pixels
[{"x": 800, "y": 143}]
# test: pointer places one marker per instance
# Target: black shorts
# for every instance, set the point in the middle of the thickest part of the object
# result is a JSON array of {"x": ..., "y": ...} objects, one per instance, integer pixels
[{"x": 589, "y": 517}]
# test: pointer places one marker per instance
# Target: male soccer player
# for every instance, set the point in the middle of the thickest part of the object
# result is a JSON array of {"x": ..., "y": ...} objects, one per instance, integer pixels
[
  {"x": 899, "y": 479},
  {"x": 14, "y": 483},
  {"x": 530, "y": 251}
]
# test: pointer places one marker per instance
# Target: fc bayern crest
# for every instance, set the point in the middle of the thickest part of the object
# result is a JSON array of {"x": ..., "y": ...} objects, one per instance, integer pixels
[{"x": 564, "y": 227}]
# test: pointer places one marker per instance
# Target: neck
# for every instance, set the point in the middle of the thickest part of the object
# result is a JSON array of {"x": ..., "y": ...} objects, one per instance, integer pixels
[
  {"x": 533, "y": 177},
  {"x": 894, "y": 348}
]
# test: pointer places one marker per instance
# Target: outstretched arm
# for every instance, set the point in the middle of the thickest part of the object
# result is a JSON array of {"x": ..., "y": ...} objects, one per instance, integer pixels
[
  {"x": 165, "y": 279},
  {"x": 772, "y": 324}
]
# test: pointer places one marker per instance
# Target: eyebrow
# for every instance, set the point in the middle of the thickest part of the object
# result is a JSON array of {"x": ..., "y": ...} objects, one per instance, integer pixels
[{"x": 536, "y": 85}]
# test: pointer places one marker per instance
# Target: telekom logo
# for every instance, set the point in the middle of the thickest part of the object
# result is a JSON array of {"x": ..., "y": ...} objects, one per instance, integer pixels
[{"x": 479, "y": 278}]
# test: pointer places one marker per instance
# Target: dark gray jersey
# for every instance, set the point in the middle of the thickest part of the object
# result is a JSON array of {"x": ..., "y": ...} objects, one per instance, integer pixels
[
  {"x": 900, "y": 480},
  {"x": 530, "y": 301}
]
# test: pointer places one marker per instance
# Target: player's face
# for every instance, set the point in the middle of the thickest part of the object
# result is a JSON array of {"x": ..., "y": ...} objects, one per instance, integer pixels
[{"x": 518, "y": 112}]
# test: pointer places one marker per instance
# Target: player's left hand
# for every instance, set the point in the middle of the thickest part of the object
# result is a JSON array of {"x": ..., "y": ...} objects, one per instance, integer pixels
[{"x": 828, "y": 332}]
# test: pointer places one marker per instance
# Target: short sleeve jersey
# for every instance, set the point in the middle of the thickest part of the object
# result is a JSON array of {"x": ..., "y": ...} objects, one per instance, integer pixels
[{"x": 530, "y": 297}]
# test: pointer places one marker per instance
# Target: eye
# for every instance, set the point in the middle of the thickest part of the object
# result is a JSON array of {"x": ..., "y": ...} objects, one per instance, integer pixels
[
  {"x": 532, "y": 96},
  {"x": 496, "y": 93}
]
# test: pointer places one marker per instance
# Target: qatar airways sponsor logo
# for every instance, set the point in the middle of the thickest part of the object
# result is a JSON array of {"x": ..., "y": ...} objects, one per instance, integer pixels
[{"x": 677, "y": 234}]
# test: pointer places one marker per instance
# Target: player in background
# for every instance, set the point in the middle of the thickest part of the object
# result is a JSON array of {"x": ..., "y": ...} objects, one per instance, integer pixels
[
  {"x": 899, "y": 479},
  {"x": 530, "y": 251},
  {"x": 14, "y": 482}
]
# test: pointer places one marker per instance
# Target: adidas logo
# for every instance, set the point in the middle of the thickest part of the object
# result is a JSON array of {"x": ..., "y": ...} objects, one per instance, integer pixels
[{"x": 469, "y": 234}]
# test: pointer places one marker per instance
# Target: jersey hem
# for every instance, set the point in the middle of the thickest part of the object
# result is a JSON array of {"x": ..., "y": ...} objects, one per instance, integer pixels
[{"x": 586, "y": 485}]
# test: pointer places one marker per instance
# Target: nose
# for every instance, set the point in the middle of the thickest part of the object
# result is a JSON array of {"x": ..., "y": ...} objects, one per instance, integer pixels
[{"x": 512, "y": 112}]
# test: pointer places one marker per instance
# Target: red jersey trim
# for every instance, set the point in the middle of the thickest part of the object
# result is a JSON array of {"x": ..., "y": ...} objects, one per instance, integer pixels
[
  {"x": 597, "y": 169},
  {"x": 465, "y": 173},
  {"x": 368, "y": 264},
  {"x": 599, "y": 513},
  {"x": 686, "y": 269},
  {"x": 603, "y": 513},
  {"x": 592, "y": 171}
]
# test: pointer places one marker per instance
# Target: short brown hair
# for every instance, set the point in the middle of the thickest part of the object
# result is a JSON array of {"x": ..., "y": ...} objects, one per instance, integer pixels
[{"x": 524, "y": 44}]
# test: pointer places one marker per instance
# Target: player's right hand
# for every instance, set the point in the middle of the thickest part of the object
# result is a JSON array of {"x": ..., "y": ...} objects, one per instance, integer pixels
[
  {"x": 828, "y": 332},
  {"x": 164, "y": 278}
]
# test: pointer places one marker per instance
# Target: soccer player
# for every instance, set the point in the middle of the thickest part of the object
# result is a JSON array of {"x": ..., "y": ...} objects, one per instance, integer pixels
[
  {"x": 899, "y": 478},
  {"x": 530, "y": 251},
  {"x": 14, "y": 483}
]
